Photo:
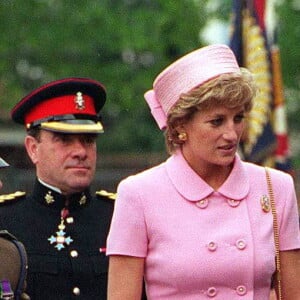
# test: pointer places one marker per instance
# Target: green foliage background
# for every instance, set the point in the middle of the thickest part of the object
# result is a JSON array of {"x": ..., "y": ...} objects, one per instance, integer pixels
[{"x": 124, "y": 44}]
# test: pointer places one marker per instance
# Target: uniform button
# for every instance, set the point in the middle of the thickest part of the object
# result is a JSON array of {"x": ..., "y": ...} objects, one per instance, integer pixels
[
  {"x": 102, "y": 249},
  {"x": 212, "y": 246},
  {"x": 74, "y": 253},
  {"x": 212, "y": 292},
  {"x": 76, "y": 291},
  {"x": 70, "y": 220},
  {"x": 240, "y": 244},
  {"x": 241, "y": 290},
  {"x": 233, "y": 203},
  {"x": 202, "y": 203}
]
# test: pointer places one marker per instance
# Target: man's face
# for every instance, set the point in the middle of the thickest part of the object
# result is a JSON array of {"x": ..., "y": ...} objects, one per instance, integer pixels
[{"x": 65, "y": 161}]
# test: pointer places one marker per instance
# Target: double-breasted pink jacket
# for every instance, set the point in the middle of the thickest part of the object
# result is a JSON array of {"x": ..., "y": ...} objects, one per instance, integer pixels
[{"x": 199, "y": 243}]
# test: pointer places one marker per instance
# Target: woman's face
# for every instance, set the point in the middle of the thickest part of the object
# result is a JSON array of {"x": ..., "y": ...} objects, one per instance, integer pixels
[{"x": 213, "y": 137}]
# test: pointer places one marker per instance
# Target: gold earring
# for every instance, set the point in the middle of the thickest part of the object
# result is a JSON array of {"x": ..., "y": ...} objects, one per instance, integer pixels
[{"x": 182, "y": 136}]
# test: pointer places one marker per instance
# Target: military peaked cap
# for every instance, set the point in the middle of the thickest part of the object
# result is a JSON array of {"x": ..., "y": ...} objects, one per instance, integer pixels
[{"x": 70, "y": 105}]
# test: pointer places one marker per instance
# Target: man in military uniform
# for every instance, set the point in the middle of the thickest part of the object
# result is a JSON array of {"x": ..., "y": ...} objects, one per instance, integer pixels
[
  {"x": 13, "y": 261},
  {"x": 62, "y": 226}
]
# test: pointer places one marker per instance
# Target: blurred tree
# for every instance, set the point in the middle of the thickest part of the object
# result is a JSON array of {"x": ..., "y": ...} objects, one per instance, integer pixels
[
  {"x": 289, "y": 42},
  {"x": 122, "y": 43}
]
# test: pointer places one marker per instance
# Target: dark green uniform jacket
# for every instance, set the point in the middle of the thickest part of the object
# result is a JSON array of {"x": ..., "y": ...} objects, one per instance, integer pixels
[{"x": 65, "y": 241}]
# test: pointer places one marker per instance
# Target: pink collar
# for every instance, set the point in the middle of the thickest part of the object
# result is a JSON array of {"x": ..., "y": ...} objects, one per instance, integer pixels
[{"x": 193, "y": 188}]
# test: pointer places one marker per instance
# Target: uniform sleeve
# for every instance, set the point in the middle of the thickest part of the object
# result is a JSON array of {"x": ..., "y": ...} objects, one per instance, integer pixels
[
  {"x": 128, "y": 235},
  {"x": 287, "y": 212}
]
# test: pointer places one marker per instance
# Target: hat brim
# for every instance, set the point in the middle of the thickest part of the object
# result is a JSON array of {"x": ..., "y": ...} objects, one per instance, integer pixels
[
  {"x": 3, "y": 163},
  {"x": 66, "y": 127}
]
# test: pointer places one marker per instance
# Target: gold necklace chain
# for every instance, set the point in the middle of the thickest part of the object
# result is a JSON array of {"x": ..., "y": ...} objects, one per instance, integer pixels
[{"x": 276, "y": 234}]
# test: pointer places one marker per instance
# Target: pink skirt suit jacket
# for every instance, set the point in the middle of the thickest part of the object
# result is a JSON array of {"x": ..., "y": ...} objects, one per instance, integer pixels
[{"x": 199, "y": 243}]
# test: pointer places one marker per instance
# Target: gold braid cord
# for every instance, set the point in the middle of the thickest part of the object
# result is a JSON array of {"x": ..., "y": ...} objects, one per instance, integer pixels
[{"x": 276, "y": 234}]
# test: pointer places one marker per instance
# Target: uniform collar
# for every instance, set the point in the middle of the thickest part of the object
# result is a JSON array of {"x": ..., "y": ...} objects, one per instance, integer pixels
[
  {"x": 192, "y": 187},
  {"x": 55, "y": 200}
]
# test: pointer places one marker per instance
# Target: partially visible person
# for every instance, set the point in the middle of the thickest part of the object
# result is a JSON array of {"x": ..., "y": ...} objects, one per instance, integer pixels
[
  {"x": 3, "y": 164},
  {"x": 200, "y": 225},
  {"x": 13, "y": 260},
  {"x": 62, "y": 224}
]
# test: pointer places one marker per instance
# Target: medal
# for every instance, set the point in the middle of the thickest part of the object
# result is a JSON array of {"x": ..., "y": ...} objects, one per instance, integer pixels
[{"x": 60, "y": 239}]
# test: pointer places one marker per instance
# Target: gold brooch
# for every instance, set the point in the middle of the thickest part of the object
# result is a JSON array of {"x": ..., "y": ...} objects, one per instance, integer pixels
[{"x": 265, "y": 203}]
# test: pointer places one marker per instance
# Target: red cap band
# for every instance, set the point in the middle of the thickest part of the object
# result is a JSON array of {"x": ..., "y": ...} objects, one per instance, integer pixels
[{"x": 68, "y": 104}]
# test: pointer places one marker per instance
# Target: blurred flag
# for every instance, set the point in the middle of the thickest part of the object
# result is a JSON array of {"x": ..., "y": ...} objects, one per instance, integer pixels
[{"x": 252, "y": 40}]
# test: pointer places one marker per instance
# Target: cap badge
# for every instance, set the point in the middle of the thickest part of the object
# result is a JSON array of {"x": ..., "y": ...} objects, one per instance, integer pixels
[{"x": 79, "y": 101}]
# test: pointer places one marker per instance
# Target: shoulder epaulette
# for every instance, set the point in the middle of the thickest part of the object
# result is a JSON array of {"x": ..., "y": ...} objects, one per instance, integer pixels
[
  {"x": 11, "y": 197},
  {"x": 109, "y": 195}
]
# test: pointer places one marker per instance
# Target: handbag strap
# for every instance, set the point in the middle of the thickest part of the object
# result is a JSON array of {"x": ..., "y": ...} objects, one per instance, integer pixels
[{"x": 276, "y": 233}]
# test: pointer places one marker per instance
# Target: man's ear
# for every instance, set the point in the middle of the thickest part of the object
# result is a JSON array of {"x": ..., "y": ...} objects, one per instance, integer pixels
[{"x": 31, "y": 145}]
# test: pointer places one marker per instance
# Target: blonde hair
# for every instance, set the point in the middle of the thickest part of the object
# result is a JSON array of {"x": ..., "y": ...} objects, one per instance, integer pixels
[{"x": 230, "y": 90}]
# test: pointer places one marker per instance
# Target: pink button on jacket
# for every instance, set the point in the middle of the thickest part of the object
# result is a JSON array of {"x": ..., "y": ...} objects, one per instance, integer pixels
[{"x": 223, "y": 249}]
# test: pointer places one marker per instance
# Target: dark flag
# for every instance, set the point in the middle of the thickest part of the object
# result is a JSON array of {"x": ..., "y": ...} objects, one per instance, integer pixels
[{"x": 265, "y": 141}]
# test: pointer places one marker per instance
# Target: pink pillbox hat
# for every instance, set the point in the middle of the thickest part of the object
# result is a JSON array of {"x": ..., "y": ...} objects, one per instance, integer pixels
[{"x": 186, "y": 73}]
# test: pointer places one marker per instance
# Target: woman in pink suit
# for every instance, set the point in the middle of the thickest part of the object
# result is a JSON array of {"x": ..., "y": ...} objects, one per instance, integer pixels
[{"x": 199, "y": 225}]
